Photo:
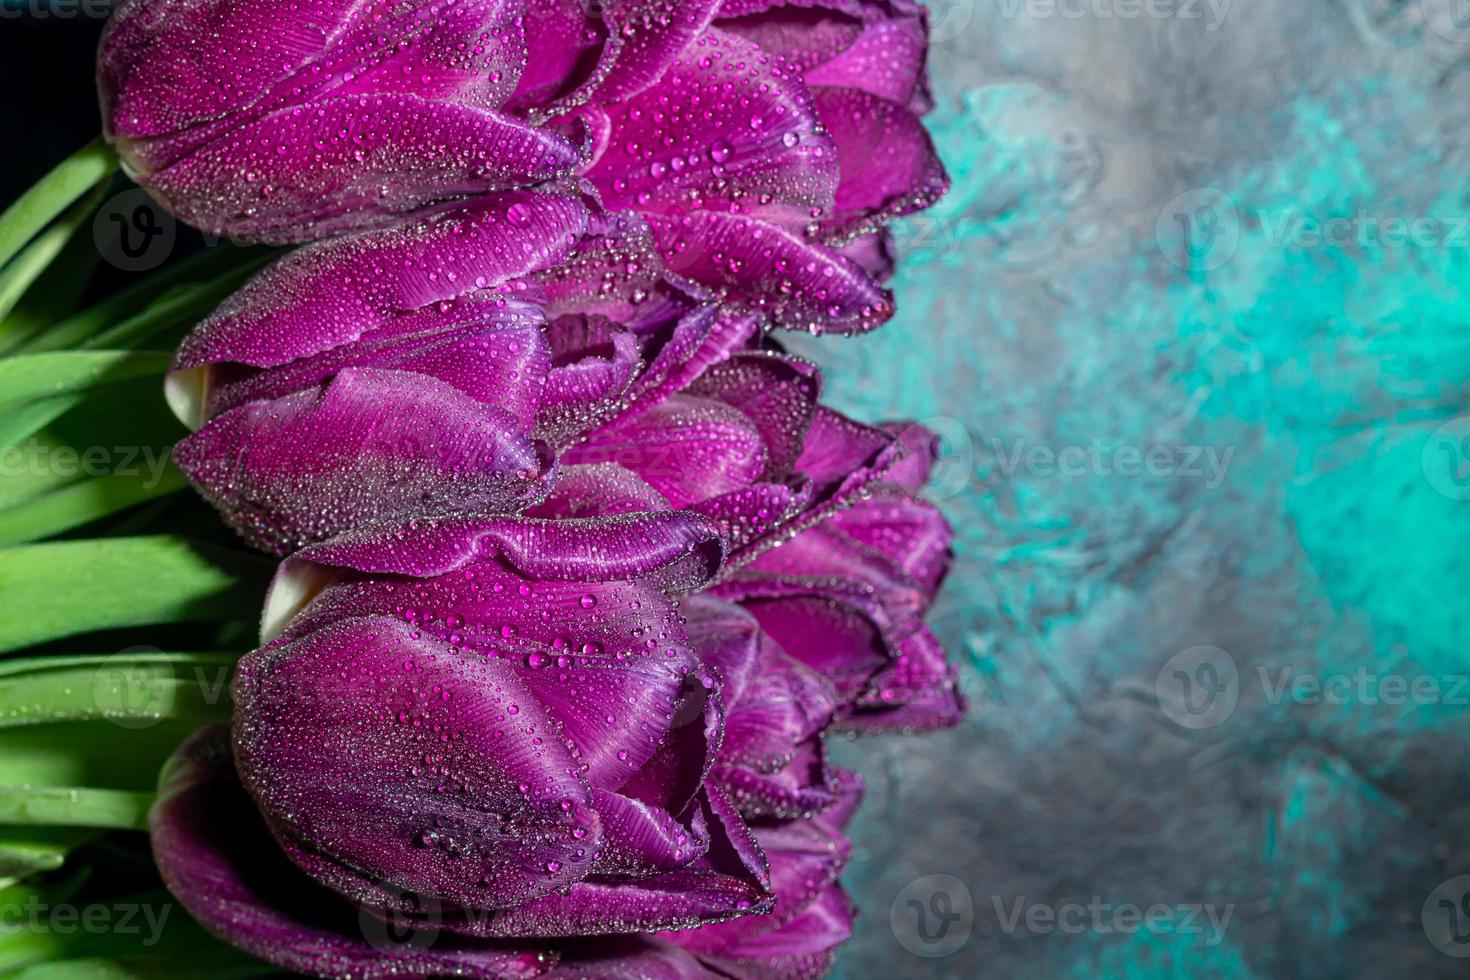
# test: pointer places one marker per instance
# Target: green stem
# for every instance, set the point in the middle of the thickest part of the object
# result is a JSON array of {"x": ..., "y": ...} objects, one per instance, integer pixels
[
  {"x": 170, "y": 299},
  {"x": 75, "y": 806},
  {"x": 18, "y": 276},
  {"x": 82, "y": 503},
  {"x": 143, "y": 687},
  {"x": 53, "y": 194},
  {"x": 64, "y": 588}
]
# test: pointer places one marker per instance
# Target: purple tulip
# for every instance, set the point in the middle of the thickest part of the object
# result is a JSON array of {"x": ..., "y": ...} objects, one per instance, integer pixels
[
  {"x": 329, "y": 393},
  {"x": 848, "y": 597},
  {"x": 797, "y": 940},
  {"x": 756, "y": 137},
  {"x": 829, "y": 543},
  {"x": 745, "y": 443},
  {"x": 377, "y": 375},
  {"x": 285, "y": 123},
  {"x": 830, "y": 546},
  {"x": 772, "y": 762},
  {"x": 766, "y": 143},
  {"x": 493, "y": 726}
]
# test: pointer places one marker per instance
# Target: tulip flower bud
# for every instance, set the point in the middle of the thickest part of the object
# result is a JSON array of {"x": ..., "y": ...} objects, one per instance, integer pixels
[
  {"x": 502, "y": 715},
  {"x": 331, "y": 394},
  {"x": 289, "y": 122}
]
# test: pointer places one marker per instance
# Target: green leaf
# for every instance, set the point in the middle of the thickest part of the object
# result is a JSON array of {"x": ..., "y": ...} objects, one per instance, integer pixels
[
  {"x": 65, "y": 588},
  {"x": 54, "y": 295},
  {"x": 20, "y": 481},
  {"x": 221, "y": 964},
  {"x": 123, "y": 754},
  {"x": 28, "y": 377},
  {"x": 31, "y": 264},
  {"x": 32, "y": 417},
  {"x": 141, "y": 935},
  {"x": 53, "y": 194},
  {"x": 75, "y": 806},
  {"x": 169, "y": 300},
  {"x": 130, "y": 689},
  {"x": 26, "y": 851},
  {"x": 82, "y": 503}
]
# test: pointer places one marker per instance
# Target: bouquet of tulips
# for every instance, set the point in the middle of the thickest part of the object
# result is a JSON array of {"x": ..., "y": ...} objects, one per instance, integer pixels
[{"x": 576, "y": 571}]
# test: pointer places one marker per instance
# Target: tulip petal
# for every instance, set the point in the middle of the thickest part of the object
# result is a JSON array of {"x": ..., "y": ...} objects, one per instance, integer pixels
[
  {"x": 388, "y": 763},
  {"x": 840, "y": 460},
  {"x": 771, "y": 760},
  {"x": 469, "y": 52},
  {"x": 920, "y": 452},
  {"x": 777, "y": 393},
  {"x": 688, "y": 449},
  {"x": 370, "y": 444},
  {"x": 747, "y": 518},
  {"x": 675, "y": 772},
  {"x": 839, "y": 450},
  {"x": 616, "y": 272},
  {"x": 677, "y": 550},
  {"x": 563, "y": 46},
  {"x": 798, "y": 790},
  {"x": 645, "y": 36},
  {"x": 612, "y": 694},
  {"x": 219, "y": 861},
  {"x": 333, "y": 292},
  {"x": 759, "y": 268},
  {"x": 163, "y": 67},
  {"x": 598, "y": 490},
  {"x": 627, "y": 958},
  {"x": 886, "y": 60},
  {"x": 641, "y": 841},
  {"x": 900, "y": 559},
  {"x": 838, "y": 639},
  {"x": 902, "y": 528},
  {"x": 728, "y": 128},
  {"x": 803, "y": 949},
  {"x": 699, "y": 339},
  {"x": 596, "y": 362},
  {"x": 494, "y": 352},
  {"x": 806, "y": 35},
  {"x": 888, "y": 162},
  {"x": 806, "y": 856},
  {"x": 811, "y": 916},
  {"x": 729, "y": 881},
  {"x": 919, "y": 692},
  {"x": 873, "y": 253},
  {"x": 353, "y": 162}
]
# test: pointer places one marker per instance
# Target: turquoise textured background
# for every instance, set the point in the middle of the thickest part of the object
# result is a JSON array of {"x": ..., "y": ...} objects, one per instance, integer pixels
[{"x": 1312, "y": 347}]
